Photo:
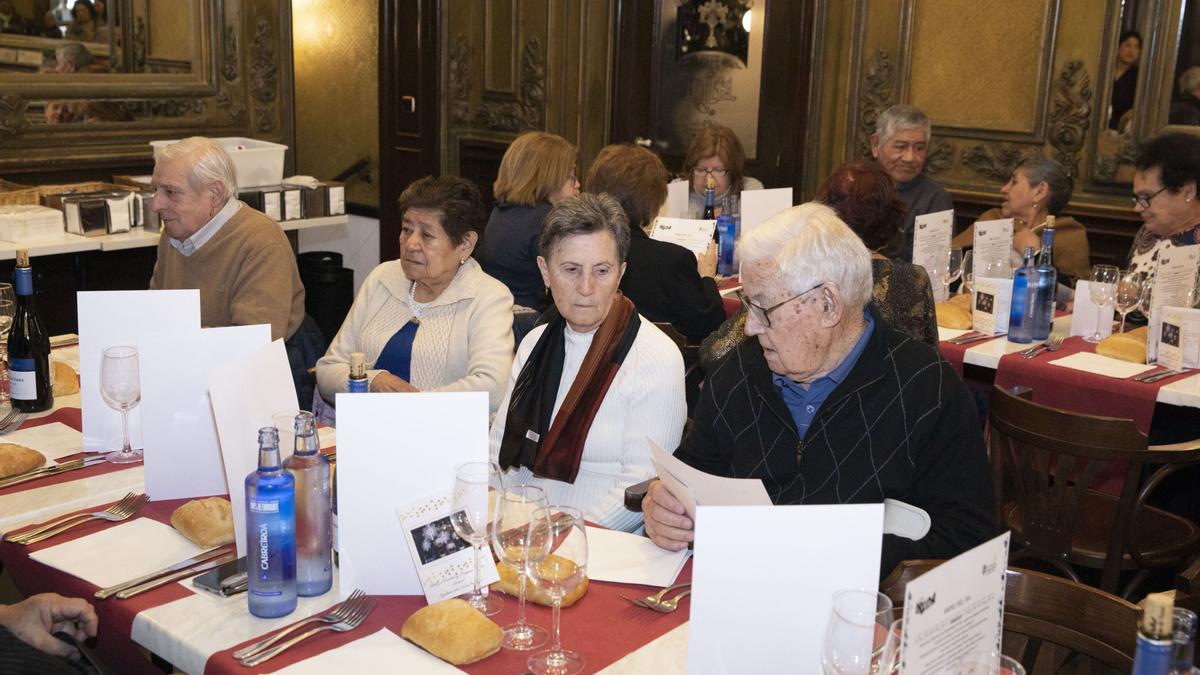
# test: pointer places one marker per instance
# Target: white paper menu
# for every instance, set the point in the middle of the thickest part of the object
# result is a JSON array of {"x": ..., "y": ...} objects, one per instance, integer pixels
[
  {"x": 759, "y": 205},
  {"x": 694, "y": 235},
  {"x": 1174, "y": 284},
  {"x": 1179, "y": 338},
  {"x": 1085, "y": 316},
  {"x": 993, "y": 243},
  {"x": 694, "y": 487},
  {"x": 678, "y": 193},
  {"x": 993, "y": 297},
  {"x": 932, "y": 234},
  {"x": 965, "y": 593}
]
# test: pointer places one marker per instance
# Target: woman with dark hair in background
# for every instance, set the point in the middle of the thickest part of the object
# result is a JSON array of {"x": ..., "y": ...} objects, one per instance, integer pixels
[
  {"x": 1165, "y": 195},
  {"x": 1125, "y": 76},
  {"x": 715, "y": 152}
]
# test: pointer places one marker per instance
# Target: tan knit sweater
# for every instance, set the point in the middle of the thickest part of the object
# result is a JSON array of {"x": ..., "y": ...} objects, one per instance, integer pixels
[{"x": 246, "y": 275}]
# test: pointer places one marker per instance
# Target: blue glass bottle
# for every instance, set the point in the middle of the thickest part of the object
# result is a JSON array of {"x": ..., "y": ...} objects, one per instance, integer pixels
[
  {"x": 1020, "y": 315},
  {"x": 314, "y": 557},
  {"x": 270, "y": 532},
  {"x": 726, "y": 233},
  {"x": 1047, "y": 284}
]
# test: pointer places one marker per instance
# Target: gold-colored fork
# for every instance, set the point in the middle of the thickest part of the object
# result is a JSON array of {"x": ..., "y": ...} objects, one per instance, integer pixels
[
  {"x": 656, "y": 598},
  {"x": 669, "y": 605}
]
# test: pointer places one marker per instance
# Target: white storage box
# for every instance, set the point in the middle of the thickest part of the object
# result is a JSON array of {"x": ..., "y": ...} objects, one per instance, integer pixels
[
  {"x": 255, "y": 162},
  {"x": 24, "y": 222}
]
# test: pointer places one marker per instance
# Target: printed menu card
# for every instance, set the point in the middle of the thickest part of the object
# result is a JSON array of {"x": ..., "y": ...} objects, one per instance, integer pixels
[
  {"x": 993, "y": 242},
  {"x": 955, "y": 609},
  {"x": 693, "y": 487},
  {"x": 694, "y": 235},
  {"x": 932, "y": 234}
]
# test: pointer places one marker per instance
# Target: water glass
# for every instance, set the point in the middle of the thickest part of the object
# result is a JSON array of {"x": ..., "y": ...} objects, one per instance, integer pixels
[
  {"x": 889, "y": 661},
  {"x": 476, "y": 485},
  {"x": 856, "y": 632},
  {"x": 7, "y": 311},
  {"x": 285, "y": 422},
  {"x": 967, "y": 267},
  {"x": 1129, "y": 293},
  {"x": 121, "y": 389},
  {"x": 1102, "y": 290},
  {"x": 511, "y": 540},
  {"x": 1183, "y": 632},
  {"x": 990, "y": 662},
  {"x": 557, "y": 564}
]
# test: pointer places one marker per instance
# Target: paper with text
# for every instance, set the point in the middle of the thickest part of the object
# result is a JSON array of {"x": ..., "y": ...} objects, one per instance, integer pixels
[
  {"x": 932, "y": 233},
  {"x": 1174, "y": 286},
  {"x": 993, "y": 246},
  {"x": 445, "y": 563},
  {"x": 694, "y": 235},
  {"x": 694, "y": 487},
  {"x": 993, "y": 298},
  {"x": 1179, "y": 338}
]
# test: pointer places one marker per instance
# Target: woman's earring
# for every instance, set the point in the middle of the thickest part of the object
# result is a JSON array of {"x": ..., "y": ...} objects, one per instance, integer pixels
[{"x": 462, "y": 261}]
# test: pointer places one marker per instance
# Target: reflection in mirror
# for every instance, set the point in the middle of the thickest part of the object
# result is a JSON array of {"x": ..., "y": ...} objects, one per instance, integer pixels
[
  {"x": 168, "y": 111},
  {"x": 1185, "y": 101},
  {"x": 1125, "y": 77},
  {"x": 1115, "y": 146}
]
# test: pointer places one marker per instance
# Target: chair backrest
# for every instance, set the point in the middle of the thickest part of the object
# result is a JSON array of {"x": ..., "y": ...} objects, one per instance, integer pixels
[
  {"x": 693, "y": 371},
  {"x": 1049, "y": 620}
]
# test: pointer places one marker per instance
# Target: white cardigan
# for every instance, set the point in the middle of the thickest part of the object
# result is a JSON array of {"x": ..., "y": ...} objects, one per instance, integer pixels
[
  {"x": 465, "y": 342},
  {"x": 645, "y": 400}
]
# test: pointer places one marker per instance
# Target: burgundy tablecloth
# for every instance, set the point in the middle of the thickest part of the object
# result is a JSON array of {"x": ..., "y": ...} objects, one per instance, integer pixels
[
  {"x": 956, "y": 353},
  {"x": 73, "y": 418}
]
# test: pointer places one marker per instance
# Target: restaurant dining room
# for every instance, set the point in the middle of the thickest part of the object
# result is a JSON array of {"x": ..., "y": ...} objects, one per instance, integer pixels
[{"x": 867, "y": 333}]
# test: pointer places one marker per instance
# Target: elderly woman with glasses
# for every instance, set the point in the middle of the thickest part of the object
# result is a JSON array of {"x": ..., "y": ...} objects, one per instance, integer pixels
[
  {"x": 1167, "y": 172},
  {"x": 593, "y": 383},
  {"x": 716, "y": 153}
]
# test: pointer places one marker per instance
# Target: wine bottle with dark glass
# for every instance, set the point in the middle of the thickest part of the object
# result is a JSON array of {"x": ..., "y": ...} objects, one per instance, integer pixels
[{"x": 28, "y": 347}]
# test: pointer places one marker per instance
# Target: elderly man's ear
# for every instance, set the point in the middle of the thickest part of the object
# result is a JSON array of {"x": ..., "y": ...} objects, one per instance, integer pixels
[
  {"x": 833, "y": 307},
  {"x": 875, "y": 146}
]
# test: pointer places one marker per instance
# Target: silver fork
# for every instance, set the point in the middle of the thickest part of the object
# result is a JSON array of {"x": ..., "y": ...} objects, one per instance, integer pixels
[
  {"x": 128, "y": 498},
  {"x": 340, "y": 613},
  {"x": 13, "y": 424},
  {"x": 1052, "y": 345},
  {"x": 12, "y": 414},
  {"x": 666, "y": 606},
  {"x": 115, "y": 513},
  {"x": 350, "y": 623}
]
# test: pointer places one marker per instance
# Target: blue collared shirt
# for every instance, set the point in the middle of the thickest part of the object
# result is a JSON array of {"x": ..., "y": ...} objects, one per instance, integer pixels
[
  {"x": 193, "y": 243},
  {"x": 804, "y": 403}
]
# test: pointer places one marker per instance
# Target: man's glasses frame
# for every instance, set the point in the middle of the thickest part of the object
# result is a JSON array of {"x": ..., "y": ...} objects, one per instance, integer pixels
[
  {"x": 763, "y": 314},
  {"x": 1144, "y": 202}
]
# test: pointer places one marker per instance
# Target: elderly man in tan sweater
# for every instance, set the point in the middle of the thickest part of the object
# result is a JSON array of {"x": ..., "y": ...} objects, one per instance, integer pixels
[{"x": 239, "y": 258}]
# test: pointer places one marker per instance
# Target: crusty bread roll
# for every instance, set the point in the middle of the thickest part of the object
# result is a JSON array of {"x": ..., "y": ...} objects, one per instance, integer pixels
[
  {"x": 206, "y": 522},
  {"x": 17, "y": 459},
  {"x": 1129, "y": 346},
  {"x": 453, "y": 631},
  {"x": 64, "y": 377},
  {"x": 951, "y": 314},
  {"x": 510, "y": 583},
  {"x": 961, "y": 300}
]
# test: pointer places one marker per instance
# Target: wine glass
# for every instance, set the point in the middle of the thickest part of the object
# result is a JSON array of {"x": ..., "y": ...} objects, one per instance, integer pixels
[
  {"x": 120, "y": 386},
  {"x": 557, "y": 564},
  {"x": 889, "y": 661},
  {"x": 511, "y": 535},
  {"x": 989, "y": 662},
  {"x": 7, "y": 310},
  {"x": 470, "y": 515},
  {"x": 1128, "y": 293},
  {"x": 968, "y": 281},
  {"x": 954, "y": 269},
  {"x": 856, "y": 632},
  {"x": 1102, "y": 291}
]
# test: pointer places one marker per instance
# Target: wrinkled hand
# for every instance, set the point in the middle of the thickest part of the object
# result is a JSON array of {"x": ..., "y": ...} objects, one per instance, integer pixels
[
  {"x": 35, "y": 620},
  {"x": 706, "y": 264},
  {"x": 389, "y": 382},
  {"x": 667, "y": 523}
]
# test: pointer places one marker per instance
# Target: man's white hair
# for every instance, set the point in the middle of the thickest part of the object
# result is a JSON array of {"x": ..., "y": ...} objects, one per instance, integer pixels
[
  {"x": 207, "y": 161},
  {"x": 811, "y": 245},
  {"x": 901, "y": 118}
]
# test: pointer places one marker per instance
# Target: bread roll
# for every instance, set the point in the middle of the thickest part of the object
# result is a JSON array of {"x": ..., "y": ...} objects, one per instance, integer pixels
[
  {"x": 961, "y": 300},
  {"x": 1129, "y": 346},
  {"x": 64, "y": 377},
  {"x": 510, "y": 584},
  {"x": 17, "y": 459},
  {"x": 206, "y": 522},
  {"x": 951, "y": 314},
  {"x": 453, "y": 631}
]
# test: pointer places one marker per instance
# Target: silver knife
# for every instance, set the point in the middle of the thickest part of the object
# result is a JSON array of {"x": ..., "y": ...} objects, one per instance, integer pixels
[
  {"x": 967, "y": 339},
  {"x": 206, "y": 555},
  {"x": 50, "y": 471},
  {"x": 1162, "y": 375},
  {"x": 175, "y": 576}
]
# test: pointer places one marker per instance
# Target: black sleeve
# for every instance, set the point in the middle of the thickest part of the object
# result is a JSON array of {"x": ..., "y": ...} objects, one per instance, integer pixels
[
  {"x": 700, "y": 447},
  {"x": 700, "y": 310}
]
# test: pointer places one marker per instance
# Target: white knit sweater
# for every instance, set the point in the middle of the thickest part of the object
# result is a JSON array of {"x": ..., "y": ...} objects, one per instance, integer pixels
[
  {"x": 646, "y": 399},
  {"x": 465, "y": 342}
]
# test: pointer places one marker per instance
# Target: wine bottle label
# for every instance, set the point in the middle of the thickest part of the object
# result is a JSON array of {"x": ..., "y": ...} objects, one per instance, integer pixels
[{"x": 22, "y": 380}]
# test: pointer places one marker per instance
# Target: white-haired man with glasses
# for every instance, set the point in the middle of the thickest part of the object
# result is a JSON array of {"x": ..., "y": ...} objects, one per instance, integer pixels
[{"x": 831, "y": 404}]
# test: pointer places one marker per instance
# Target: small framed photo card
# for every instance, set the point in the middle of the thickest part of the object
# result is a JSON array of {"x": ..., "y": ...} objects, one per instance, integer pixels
[
  {"x": 444, "y": 561},
  {"x": 1179, "y": 338},
  {"x": 990, "y": 311}
]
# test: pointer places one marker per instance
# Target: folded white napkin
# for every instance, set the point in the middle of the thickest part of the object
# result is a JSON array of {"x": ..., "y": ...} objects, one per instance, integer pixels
[
  {"x": 366, "y": 655},
  {"x": 119, "y": 553},
  {"x": 1101, "y": 365},
  {"x": 53, "y": 440},
  {"x": 626, "y": 558}
]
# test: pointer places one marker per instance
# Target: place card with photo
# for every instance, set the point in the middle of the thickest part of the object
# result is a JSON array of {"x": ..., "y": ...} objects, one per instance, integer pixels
[
  {"x": 443, "y": 560},
  {"x": 1179, "y": 338},
  {"x": 989, "y": 314},
  {"x": 1174, "y": 286}
]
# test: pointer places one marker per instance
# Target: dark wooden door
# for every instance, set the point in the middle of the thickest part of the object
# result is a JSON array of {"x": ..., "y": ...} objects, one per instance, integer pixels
[
  {"x": 783, "y": 87},
  {"x": 408, "y": 107}
]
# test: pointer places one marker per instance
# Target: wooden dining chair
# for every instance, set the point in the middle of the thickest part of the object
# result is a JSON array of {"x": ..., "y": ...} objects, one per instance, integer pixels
[
  {"x": 1045, "y": 462},
  {"x": 1051, "y": 624}
]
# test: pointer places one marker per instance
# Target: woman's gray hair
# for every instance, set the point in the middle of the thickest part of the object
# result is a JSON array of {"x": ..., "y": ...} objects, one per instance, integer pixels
[
  {"x": 901, "y": 118},
  {"x": 585, "y": 213},
  {"x": 811, "y": 246},
  {"x": 1040, "y": 170},
  {"x": 207, "y": 160}
]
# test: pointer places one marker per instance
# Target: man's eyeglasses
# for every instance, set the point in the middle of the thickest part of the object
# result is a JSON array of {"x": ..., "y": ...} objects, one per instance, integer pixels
[
  {"x": 719, "y": 172},
  {"x": 763, "y": 314},
  {"x": 1144, "y": 202}
]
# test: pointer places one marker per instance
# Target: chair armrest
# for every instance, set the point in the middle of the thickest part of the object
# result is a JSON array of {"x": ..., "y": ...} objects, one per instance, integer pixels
[{"x": 634, "y": 494}]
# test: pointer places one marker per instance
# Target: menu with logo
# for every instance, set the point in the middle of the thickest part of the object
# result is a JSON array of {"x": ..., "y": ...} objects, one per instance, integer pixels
[
  {"x": 932, "y": 234},
  {"x": 993, "y": 241},
  {"x": 1174, "y": 285},
  {"x": 989, "y": 315},
  {"x": 954, "y": 610},
  {"x": 1179, "y": 338},
  {"x": 694, "y": 235}
]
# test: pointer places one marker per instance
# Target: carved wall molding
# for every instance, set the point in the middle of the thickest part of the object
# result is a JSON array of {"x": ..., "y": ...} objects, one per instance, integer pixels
[
  {"x": 264, "y": 75},
  {"x": 459, "y": 80},
  {"x": 229, "y": 54},
  {"x": 877, "y": 93},
  {"x": 1071, "y": 115},
  {"x": 940, "y": 155},
  {"x": 234, "y": 109},
  {"x": 12, "y": 115},
  {"x": 996, "y": 161},
  {"x": 528, "y": 110},
  {"x": 138, "y": 45},
  {"x": 1107, "y": 165}
]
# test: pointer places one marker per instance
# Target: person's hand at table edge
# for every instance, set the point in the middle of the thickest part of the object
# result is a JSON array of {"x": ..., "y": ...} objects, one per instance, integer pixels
[
  {"x": 666, "y": 520},
  {"x": 388, "y": 382},
  {"x": 36, "y": 619}
]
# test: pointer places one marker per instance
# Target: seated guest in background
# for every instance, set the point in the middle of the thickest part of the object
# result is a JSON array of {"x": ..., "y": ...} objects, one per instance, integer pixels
[
  {"x": 831, "y": 405},
  {"x": 27, "y": 634},
  {"x": 432, "y": 320},
  {"x": 593, "y": 383},
  {"x": 1125, "y": 76},
  {"x": 1040, "y": 187},
  {"x": 1165, "y": 179},
  {"x": 1186, "y": 108},
  {"x": 50, "y": 27},
  {"x": 664, "y": 280},
  {"x": 537, "y": 171},
  {"x": 901, "y": 139},
  {"x": 11, "y": 21},
  {"x": 83, "y": 22},
  {"x": 75, "y": 58},
  {"x": 716, "y": 152}
]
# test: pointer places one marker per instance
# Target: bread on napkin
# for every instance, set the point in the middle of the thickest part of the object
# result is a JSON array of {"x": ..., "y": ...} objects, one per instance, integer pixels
[
  {"x": 955, "y": 312},
  {"x": 453, "y": 631},
  {"x": 17, "y": 459},
  {"x": 64, "y": 378},
  {"x": 510, "y": 583},
  {"x": 1129, "y": 346},
  {"x": 205, "y": 522}
]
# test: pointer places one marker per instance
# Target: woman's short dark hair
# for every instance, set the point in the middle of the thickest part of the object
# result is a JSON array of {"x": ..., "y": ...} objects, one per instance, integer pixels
[
  {"x": 1125, "y": 35},
  {"x": 1176, "y": 154},
  {"x": 633, "y": 176},
  {"x": 585, "y": 213},
  {"x": 456, "y": 199},
  {"x": 1040, "y": 170},
  {"x": 865, "y": 197}
]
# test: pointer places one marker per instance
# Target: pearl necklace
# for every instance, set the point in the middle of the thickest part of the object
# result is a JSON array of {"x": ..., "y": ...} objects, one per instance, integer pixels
[{"x": 413, "y": 305}]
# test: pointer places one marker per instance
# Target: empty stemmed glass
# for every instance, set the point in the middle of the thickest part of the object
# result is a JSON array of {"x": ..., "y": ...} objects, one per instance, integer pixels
[
  {"x": 511, "y": 541},
  {"x": 476, "y": 485},
  {"x": 967, "y": 271},
  {"x": 7, "y": 310},
  {"x": 557, "y": 564},
  {"x": 1102, "y": 291},
  {"x": 954, "y": 267},
  {"x": 1128, "y": 293},
  {"x": 121, "y": 388},
  {"x": 856, "y": 633}
]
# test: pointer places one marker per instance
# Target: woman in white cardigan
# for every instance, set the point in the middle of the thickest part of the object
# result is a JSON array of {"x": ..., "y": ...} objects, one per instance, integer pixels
[
  {"x": 594, "y": 385},
  {"x": 432, "y": 320}
]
